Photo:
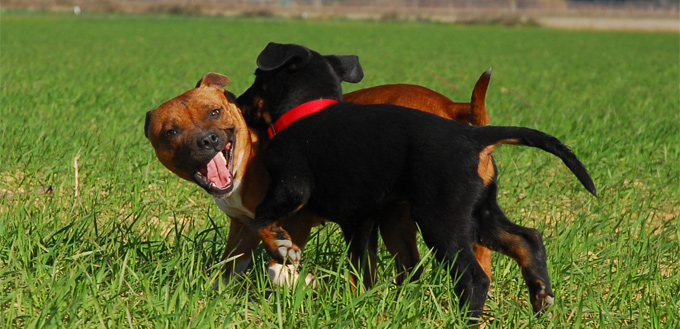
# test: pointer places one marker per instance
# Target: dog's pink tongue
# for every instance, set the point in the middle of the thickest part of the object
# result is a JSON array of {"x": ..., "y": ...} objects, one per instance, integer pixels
[{"x": 218, "y": 173}]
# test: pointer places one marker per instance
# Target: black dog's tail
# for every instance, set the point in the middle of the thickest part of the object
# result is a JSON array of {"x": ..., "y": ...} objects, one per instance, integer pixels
[{"x": 493, "y": 135}]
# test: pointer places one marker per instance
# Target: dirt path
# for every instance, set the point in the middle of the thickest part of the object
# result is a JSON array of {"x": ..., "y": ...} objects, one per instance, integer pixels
[{"x": 611, "y": 23}]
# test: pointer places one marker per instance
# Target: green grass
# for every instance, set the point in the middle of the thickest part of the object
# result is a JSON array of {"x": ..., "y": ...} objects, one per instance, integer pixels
[{"x": 137, "y": 247}]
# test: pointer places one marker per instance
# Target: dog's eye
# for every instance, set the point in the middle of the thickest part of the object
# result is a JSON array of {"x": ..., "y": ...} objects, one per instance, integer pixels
[
  {"x": 215, "y": 113},
  {"x": 171, "y": 132}
]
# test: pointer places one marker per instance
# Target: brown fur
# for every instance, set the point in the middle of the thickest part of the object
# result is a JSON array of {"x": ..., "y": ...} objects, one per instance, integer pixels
[{"x": 421, "y": 98}]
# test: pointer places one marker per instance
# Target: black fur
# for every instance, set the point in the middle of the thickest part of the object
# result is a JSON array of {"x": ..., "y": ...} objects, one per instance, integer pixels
[{"x": 348, "y": 163}]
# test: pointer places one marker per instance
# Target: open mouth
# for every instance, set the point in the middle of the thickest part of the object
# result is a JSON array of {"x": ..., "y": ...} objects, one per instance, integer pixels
[{"x": 216, "y": 176}]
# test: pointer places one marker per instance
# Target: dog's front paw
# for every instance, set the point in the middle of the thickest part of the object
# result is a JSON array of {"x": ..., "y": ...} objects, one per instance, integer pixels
[
  {"x": 286, "y": 276},
  {"x": 278, "y": 244},
  {"x": 288, "y": 251}
]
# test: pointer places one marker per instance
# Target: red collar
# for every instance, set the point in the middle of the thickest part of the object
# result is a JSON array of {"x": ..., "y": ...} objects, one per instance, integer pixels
[{"x": 298, "y": 112}]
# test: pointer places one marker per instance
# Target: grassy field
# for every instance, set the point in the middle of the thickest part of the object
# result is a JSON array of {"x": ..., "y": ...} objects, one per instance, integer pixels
[{"x": 121, "y": 242}]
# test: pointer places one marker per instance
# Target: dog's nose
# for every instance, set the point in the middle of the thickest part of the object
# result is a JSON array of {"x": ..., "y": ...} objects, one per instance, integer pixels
[{"x": 209, "y": 141}]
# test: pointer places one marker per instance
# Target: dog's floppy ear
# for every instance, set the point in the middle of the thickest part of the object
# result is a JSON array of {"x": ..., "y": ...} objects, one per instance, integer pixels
[
  {"x": 146, "y": 123},
  {"x": 214, "y": 80},
  {"x": 347, "y": 67},
  {"x": 276, "y": 55}
]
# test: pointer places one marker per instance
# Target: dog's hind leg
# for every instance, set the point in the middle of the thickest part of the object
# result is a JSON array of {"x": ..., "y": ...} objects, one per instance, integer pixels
[
  {"x": 399, "y": 234},
  {"x": 473, "y": 284},
  {"x": 361, "y": 236},
  {"x": 522, "y": 244},
  {"x": 241, "y": 243},
  {"x": 372, "y": 249},
  {"x": 451, "y": 244}
]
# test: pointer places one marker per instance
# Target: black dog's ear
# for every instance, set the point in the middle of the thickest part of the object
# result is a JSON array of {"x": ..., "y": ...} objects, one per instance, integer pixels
[
  {"x": 146, "y": 123},
  {"x": 213, "y": 79},
  {"x": 347, "y": 67},
  {"x": 230, "y": 96},
  {"x": 276, "y": 55}
]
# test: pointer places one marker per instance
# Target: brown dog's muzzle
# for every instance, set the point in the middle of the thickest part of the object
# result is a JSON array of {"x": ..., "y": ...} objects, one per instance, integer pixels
[{"x": 211, "y": 160}]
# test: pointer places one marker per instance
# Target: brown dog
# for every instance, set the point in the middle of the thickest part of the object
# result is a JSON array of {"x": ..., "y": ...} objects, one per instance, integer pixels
[
  {"x": 185, "y": 133},
  {"x": 187, "y": 130}
]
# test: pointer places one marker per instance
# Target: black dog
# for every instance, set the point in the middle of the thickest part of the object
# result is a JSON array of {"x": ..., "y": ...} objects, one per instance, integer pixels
[{"x": 348, "y": 162}]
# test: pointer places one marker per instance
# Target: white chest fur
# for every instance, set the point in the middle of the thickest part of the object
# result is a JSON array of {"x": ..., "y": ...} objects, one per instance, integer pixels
[{"x": 233, "y": 205}]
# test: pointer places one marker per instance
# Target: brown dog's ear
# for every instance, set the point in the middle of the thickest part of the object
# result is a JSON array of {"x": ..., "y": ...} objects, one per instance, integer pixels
[
  {"x": 276, "y": 55},
  {"x": 146, "y": 123},
  {"x": 213, "y": 79},
  {"x": 347, "y": 67}
]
